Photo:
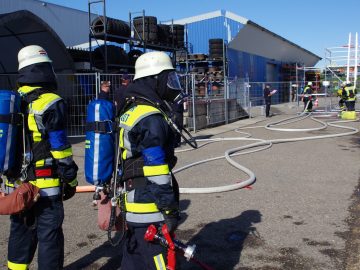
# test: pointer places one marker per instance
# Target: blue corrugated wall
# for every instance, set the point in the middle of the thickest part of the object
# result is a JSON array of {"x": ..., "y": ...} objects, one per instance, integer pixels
[{"x": 200, "y": 32}]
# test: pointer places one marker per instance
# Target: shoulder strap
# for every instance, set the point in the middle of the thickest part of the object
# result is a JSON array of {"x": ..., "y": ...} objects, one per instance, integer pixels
[{"x": 33, "y": 95}]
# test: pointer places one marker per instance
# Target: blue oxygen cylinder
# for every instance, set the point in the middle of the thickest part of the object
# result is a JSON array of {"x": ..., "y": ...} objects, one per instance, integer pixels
[
  {"x": 100, "y": 142},
  {"x": 10, "y": 124}
]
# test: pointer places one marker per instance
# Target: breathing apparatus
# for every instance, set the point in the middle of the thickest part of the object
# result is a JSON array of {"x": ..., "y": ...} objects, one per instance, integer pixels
[{"x": 188, "y": 138}]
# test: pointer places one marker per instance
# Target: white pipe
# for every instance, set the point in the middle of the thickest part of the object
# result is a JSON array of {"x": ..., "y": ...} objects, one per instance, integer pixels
[
  {"x": 348, "y": 60},
  {"x": 356, "y": 58}
]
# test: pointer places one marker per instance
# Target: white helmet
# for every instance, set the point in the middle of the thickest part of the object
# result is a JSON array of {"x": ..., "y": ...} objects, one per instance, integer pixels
[
  {"x": 152, "y": 63},
  {"x": 32, "y": 54},
  {"x": 309, "y": 83}
]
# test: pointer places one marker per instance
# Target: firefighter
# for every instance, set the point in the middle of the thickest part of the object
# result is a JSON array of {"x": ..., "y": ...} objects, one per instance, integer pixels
[
  {"x": 339, "y": 93},
  {"x": 307, "y": 97},
  {"x": 349, "y": 96},
  {"x": 147, "y": 148},
  {"x": 47, "y": 163}
]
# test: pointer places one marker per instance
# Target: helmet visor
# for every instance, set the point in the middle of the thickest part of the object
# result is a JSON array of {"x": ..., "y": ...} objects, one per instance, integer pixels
[{"x": 173, "y": 81}]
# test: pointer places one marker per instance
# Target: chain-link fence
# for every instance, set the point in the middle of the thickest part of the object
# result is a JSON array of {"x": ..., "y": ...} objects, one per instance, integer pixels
[{"x": 212, "y": 101}]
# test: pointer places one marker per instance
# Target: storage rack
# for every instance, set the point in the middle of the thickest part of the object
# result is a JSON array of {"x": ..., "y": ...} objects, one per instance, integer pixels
[
  {"x": 133, "y": 41},
  {"x": 207, "y": 70}
]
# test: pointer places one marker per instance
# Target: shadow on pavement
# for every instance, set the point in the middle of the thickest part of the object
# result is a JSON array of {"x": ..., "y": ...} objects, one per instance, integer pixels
[{"x": 219, "y": 244}]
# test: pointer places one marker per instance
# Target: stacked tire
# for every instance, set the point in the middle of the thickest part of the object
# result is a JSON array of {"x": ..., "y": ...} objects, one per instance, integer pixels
[
  {"x": 119, "y": 30},
  {"x": 146, "y": 28},
  {"x": 216, "y": 48},
  {"x": 164, "y": 34},
  {"x": 177, "y": 35},
  {"x": 116, "y": 56},
  {"x": 79, "y": 55}
]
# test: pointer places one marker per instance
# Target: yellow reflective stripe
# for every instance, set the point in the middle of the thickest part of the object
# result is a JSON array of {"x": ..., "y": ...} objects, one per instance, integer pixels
[
  {"x": 159, "y": 262},
  {"x": 130, "y": 117},
  {"x": 33, "y": 127},
  {"x": 27, "y": 89},
  {"x": 121, "y": 138},
  {"x": 121, "y": 143},
  {"x": 43, "y": 102},
  {"x": 73, "y": 183},
  {"x": 62, "y": 154},
  {"x": 9, "y": 184},
  {"x": 140, "y": 207},
  {"x": 40, "y": 163},
  {"x": 17, "y": 266},
  {"x": 156, "y": 170},
  {"x": 46, "y": 182}
]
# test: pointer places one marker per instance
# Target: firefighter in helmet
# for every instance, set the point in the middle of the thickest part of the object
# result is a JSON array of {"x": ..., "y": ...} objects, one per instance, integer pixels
[
  {"x": 339, "y": 93},
  {"x": 147, "y": 149},
  {"x": 47, "y": 162},
  {"x": 349, "y": 96},
  {"x": 307, "y": 97}
]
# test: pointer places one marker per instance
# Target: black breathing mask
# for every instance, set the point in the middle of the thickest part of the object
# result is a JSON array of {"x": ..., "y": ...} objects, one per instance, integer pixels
[{"x": 173, "y": 92}]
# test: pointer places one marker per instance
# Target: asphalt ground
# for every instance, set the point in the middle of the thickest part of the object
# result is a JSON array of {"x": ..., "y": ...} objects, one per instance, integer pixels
[{"x": 303, "y": 211}]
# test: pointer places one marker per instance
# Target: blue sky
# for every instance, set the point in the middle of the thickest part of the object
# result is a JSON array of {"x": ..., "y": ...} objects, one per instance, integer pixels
[{"x": 311, "y": 24}]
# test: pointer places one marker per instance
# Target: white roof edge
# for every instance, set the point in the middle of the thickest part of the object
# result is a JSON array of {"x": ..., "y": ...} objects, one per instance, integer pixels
[
  {"x": 210, "y": 15},
  {"x": 235, "y": 17}
]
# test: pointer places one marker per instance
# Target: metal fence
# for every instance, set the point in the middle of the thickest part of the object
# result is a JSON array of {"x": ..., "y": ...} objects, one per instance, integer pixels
[{"x": 212, "y": 101}]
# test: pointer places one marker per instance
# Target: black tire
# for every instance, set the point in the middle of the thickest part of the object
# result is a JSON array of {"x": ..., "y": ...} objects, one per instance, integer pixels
[
  {"x": 79, "y": 55},
  {"x": 217, "y": 51},
  {"x": 216, "y": 41},
  {"x": 115, "y": 56},
  {"x": 163, "y": 31},
  {"x": 146, "y": 19},
  {"x": 177, "y": 29},
  {"x": 113, "y": 27},
  {"x": 215, "y": 46},
  {"x": 147, "y": 28},
  {"x": 148, "y": 35}
]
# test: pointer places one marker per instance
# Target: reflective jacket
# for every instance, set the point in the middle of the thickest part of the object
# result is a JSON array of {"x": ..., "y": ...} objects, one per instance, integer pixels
[
  {"x": 307, "y": 91},
  {"x": 46, "y": 140},
  {"x": 349, "y": 93},
  {"x": 146, "y": 143}
]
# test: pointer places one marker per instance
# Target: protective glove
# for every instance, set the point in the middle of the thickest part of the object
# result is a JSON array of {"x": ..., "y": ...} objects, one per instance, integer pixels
[
  {"x": 67, "y": 172},
  {"x": 68, "y": 191},
  {"x": 171, "y": 219}
]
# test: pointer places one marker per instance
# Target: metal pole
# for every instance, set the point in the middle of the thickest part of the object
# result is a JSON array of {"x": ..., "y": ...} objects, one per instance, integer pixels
[
  {"x": 193, "y": 100},
  {"x": 348, "y": 60},
  {"x": 143, "y": 34},
  {"x": 356, "y": 58},
  {"x": 90, "y": 35},
  {"x": 226, "y": 86},
  {"x": 97, "y": 83},
  {"x": 105, "y": 37}
]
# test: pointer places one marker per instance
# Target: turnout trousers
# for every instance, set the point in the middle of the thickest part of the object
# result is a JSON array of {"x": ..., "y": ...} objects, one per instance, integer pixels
[
  {"x": 350, "y": 105},
  {"x": 40, "y": 226},
  {"x": 309, "y": 107},
  {"x": 139, "y": 254}
]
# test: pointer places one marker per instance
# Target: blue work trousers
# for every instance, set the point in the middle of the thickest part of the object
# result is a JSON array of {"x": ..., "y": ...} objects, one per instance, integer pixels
[
  {"x": 40, "y": 226},
  {"x": 139, "y": 254}
]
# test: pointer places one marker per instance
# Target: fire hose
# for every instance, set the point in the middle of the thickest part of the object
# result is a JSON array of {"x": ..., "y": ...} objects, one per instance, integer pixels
[{"x": 165, "y": 238}]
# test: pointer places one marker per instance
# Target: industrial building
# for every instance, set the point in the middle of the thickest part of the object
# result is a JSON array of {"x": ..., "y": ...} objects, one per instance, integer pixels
[
  {"x": 220, "y": 52},
  {"x": 252, "y": 50}
]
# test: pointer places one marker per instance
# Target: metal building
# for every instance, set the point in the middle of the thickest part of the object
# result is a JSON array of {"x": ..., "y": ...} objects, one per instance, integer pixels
[
  {"x": 252, "y": 50},
  {"x": 71, "y": 25}
]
